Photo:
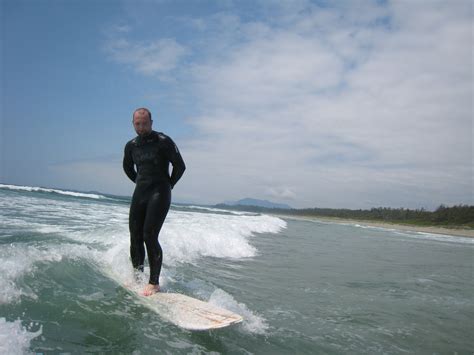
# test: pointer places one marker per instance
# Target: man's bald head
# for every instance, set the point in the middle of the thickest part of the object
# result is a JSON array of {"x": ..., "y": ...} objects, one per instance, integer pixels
[
  {"x": 142, "y": 121},
  {"x": 142, "y": 111}
]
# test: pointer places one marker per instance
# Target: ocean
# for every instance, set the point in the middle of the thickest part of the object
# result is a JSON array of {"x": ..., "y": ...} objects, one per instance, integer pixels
[{"x": 302, "y": 287}]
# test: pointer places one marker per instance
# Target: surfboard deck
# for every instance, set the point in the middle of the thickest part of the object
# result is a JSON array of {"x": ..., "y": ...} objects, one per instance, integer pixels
[
  {"x": 193, "y": 314},
  {"x": 188, "y": 312}
]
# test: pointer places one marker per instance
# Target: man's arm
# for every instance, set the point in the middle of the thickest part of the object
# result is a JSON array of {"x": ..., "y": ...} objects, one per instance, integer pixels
[
  {"x": 176, "y": 160},
  {"x": 128, "y": 165}
]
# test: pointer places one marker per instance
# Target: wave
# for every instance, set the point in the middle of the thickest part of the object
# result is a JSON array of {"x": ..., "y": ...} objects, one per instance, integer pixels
[
  {"x": 188, "y": 236},
  {"x": 440, "y": 237},
  {"x": 19, "y": 260},
  {"x": 419, "y": 235},
  {"x": 48, "y": 232},
  {"x": 57, "y": 191},
  {"x": 253, "y": 322},
  {"x": 15, "y": 338},
  {"x": 219, "y": 210}
]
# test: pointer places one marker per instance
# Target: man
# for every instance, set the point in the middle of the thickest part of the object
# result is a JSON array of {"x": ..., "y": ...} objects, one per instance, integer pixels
[{"x": 151, "y": 152}]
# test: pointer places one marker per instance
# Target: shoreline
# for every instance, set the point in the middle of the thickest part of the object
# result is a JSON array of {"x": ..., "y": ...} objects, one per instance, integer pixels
[{"x": 468, "y": 233}]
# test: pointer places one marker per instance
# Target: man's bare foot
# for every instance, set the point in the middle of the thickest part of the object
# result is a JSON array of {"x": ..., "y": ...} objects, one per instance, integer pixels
[{"x": 151, "y": 289}]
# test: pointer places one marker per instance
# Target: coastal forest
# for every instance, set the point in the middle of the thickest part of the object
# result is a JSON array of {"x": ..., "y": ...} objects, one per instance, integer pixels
[{"x": 460, "y": 216}]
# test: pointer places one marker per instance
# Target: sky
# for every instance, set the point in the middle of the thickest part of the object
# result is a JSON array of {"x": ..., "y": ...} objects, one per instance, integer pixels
[{"x": 337, "y": 104}]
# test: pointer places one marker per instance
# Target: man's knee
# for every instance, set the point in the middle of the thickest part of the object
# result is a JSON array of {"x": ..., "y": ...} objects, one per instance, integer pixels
[{"x": 149, "y": 235}]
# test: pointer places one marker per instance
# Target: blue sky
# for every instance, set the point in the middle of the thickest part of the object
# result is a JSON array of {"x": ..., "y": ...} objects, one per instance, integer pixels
[{"x": 310, "y": 103}]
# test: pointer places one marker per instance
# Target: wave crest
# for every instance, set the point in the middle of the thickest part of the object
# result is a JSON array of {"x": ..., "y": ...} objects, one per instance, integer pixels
[{"x": 43, "y": 189}]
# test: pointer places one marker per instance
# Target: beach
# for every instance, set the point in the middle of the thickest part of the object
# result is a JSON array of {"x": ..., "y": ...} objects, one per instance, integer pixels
[{"x": 459, "y": 232}]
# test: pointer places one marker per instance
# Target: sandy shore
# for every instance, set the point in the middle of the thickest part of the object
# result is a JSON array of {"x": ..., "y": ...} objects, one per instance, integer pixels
[{"x": 436, "y": 230}]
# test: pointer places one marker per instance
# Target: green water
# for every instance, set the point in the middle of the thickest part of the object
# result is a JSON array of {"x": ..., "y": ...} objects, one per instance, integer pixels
[{"x": 310, "y": 288}]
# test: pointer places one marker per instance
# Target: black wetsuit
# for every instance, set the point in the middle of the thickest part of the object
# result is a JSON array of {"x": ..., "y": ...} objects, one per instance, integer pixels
[{"x": 152, "y": 196}]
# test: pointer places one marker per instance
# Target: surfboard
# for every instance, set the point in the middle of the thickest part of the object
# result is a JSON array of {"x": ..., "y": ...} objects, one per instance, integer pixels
[{"x": 188, "y": 312}]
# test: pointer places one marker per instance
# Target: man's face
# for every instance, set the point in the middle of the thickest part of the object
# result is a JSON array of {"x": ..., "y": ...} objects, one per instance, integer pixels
[{"x": 142, "y": 123}]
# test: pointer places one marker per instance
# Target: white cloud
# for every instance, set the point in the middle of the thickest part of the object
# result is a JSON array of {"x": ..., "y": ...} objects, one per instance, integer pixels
[
  {"x": 335, "y": 110},
  {"x": 269, "y": 70},
  {"x": 279, "y": 193},
  {"x": 355, "y": 105},
  {"x": 156, "y": 57}
]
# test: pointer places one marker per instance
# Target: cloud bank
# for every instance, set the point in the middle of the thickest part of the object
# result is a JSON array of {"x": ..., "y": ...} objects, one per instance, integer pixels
[{"x": 356, "y": 104}]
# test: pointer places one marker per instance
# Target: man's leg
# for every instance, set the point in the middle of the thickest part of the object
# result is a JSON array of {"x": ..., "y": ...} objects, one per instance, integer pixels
[
  {"x": 135, "y": 223},
  {"x": 157, "y": 209}
]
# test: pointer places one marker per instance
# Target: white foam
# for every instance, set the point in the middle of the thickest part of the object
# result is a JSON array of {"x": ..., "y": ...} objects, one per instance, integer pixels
[
  {"x": 419, "y": 235},
  {"x": 102, "y": 231},
  {"x": 213, "y": 209},
  {"x": 187, "y": 236},
  {"x": 252, "y": 323},
  {"x": 445, "y": 238},
  {"x": 15, "y": 338},
  {"x": 20, "y": 259},
  {"x": 43, "y": 189},
  {"x": 116, "y": 264},
  {"x": 74, "y": 219}
]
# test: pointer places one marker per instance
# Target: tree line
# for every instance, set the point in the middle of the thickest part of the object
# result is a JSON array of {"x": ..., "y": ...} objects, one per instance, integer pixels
[{"x": 459, "y": 215}]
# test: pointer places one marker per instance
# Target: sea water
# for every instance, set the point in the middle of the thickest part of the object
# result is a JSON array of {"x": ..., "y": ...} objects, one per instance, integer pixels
[{"x": 303, "y": 287}]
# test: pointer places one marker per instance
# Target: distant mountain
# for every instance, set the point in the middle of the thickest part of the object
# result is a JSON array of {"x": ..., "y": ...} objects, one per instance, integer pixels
[{"x": 256, "y": 202}]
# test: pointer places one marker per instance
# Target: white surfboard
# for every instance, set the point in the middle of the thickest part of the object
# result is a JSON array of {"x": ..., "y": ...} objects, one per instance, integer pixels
[
  {"x": 188, "y": 312},
  {"x": 184, "y": 311}
]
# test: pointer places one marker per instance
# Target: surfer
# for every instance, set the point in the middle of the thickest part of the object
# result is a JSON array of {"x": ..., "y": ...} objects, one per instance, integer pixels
[{"x": 151, "y": 152}]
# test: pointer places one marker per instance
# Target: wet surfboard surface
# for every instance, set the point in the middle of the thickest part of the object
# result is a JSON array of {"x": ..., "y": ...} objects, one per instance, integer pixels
[{"x": 188, "y": 312}]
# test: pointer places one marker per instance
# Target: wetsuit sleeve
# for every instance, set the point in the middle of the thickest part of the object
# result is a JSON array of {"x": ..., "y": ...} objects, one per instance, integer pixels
[
  {"x": 128, "y": 165},
  {"x": 174, "y": 156}
]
